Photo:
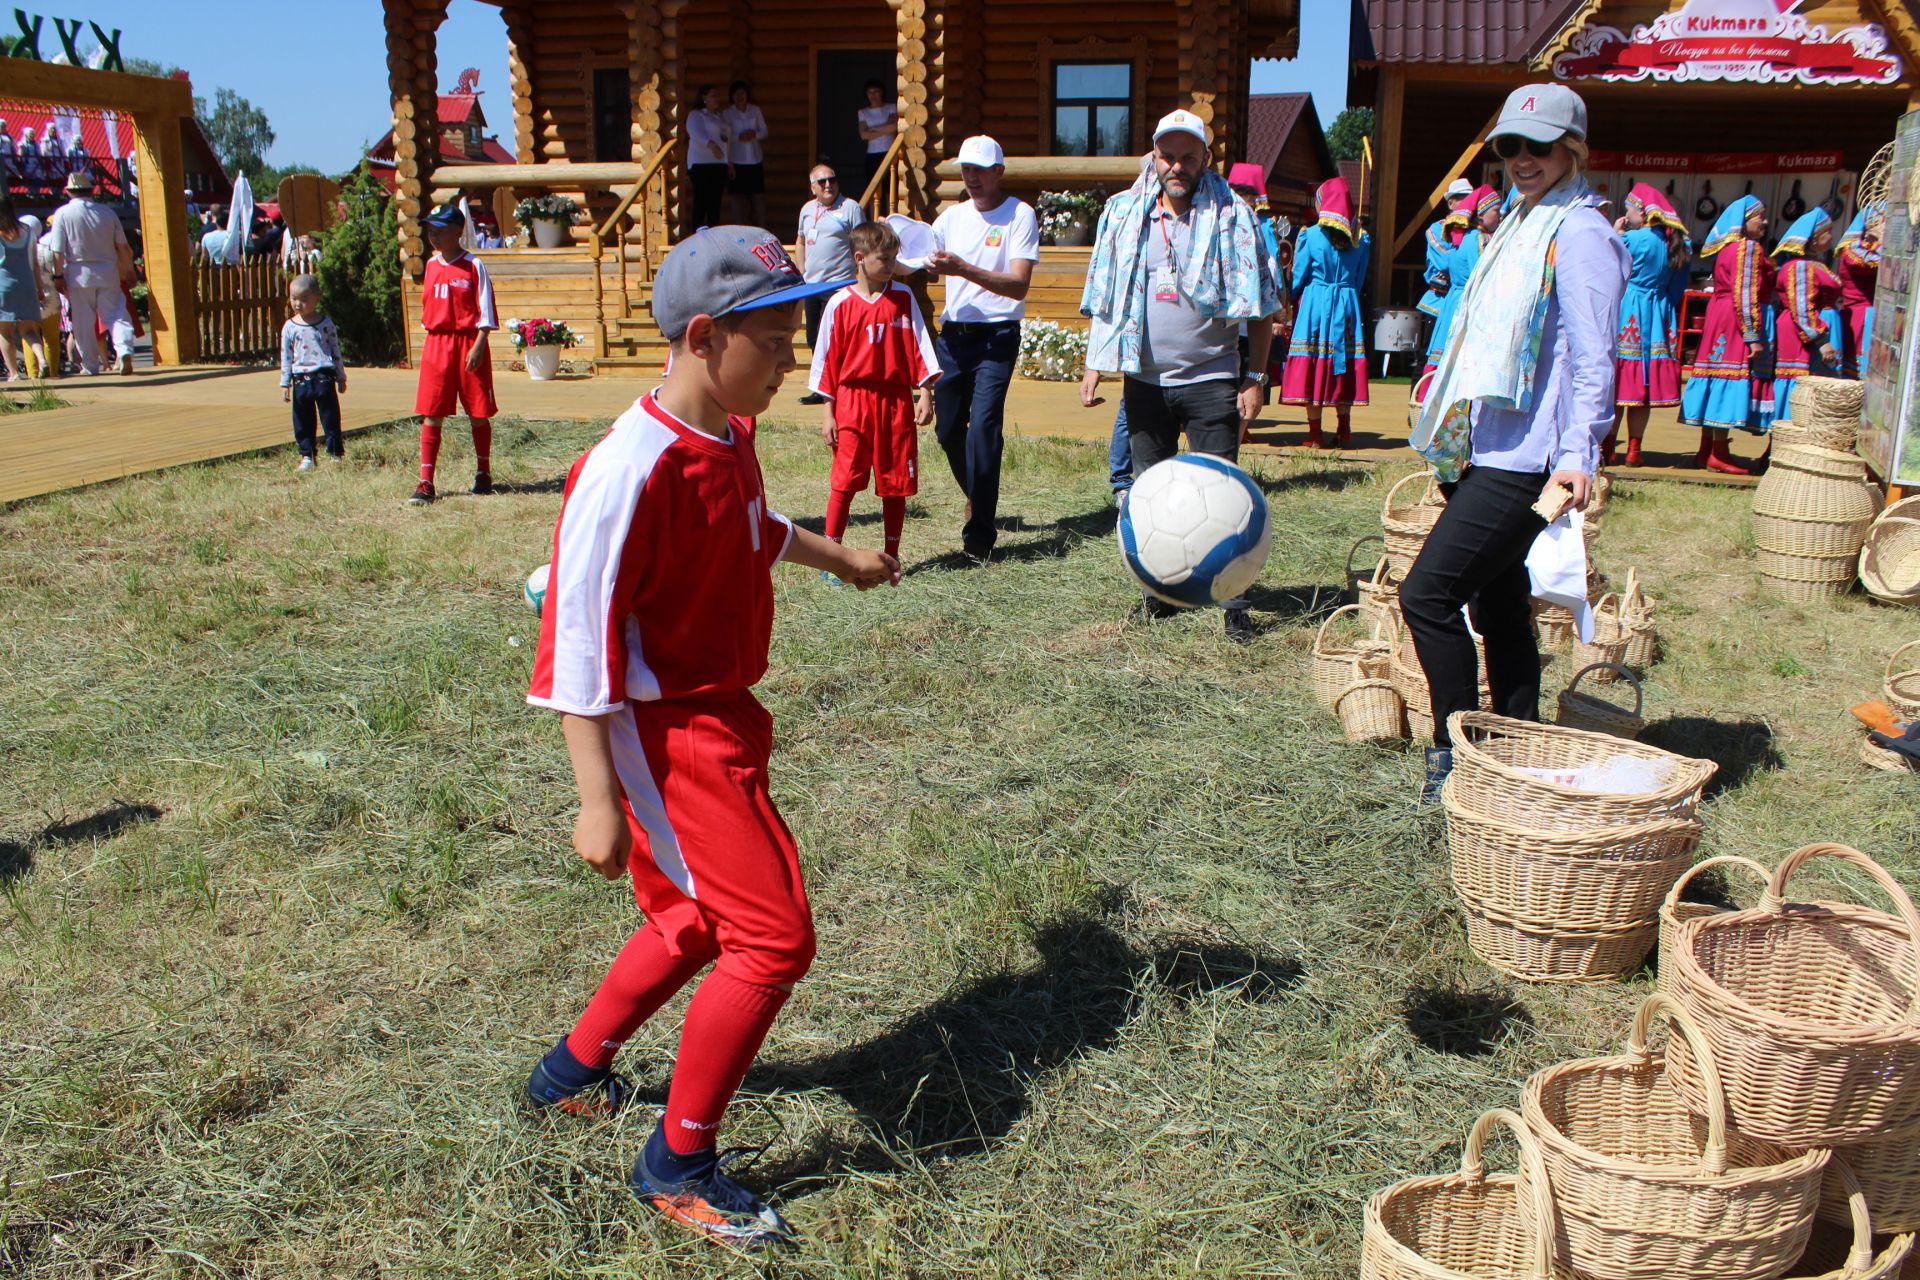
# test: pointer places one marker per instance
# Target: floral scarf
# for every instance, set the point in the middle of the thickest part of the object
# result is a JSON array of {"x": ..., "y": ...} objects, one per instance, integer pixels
[
  {"x": 1225, "y": 275},
  {"x": 1494, "y": 345}
]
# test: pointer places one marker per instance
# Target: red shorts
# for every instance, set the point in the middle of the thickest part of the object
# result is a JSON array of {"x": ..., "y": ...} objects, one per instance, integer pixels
[
  {"x": 876, "y": 437},
  {"x": 714, "y": 866},
  {"x": 446, "y": 381}
]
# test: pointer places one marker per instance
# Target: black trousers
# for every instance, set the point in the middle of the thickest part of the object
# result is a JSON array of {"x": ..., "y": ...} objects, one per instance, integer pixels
[
  {"x": 1477, "y": 556},
  {"x": 316, "y": 398},
  {"x": 709, "y": 193},
  {"x": 1209, "y": 413},
  {"x": 970, "y": 408},
  {"x": 816, "y": 306}
]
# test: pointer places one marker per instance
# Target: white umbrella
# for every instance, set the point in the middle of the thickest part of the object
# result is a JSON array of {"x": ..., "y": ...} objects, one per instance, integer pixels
[{"x": 239, "y": 220}]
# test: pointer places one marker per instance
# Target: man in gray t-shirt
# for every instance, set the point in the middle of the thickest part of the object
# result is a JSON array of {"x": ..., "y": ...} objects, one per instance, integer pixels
[{"x": 821, "y": 248}]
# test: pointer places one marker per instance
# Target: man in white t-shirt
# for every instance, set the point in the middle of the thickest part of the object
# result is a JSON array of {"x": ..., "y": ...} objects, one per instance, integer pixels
[{"x": 986, "y": 247}]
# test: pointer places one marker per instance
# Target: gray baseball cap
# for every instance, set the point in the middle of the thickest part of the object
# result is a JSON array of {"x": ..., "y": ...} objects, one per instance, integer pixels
[
  {"x": 721, "y": 270},
  {"x": 1543, "y": 113}
]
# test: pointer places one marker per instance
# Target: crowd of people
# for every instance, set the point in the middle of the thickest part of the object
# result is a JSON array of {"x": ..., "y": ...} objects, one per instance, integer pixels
[
  {"x": 66, "y": 288},
  {"x": 38, "y": 162}
]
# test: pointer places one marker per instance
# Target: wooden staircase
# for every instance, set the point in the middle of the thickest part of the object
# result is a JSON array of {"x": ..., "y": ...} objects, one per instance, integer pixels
[{"x": 558, "y": 284}]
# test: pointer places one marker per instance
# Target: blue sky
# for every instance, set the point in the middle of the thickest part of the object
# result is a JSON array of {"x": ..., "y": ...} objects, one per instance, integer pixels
[{"x": 320, "y": 71}]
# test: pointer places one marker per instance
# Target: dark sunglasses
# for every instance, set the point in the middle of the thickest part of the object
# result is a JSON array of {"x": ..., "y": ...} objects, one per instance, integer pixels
[
  {"x": 821, "y": 182},
  {"x": 1509, "y": 145}
]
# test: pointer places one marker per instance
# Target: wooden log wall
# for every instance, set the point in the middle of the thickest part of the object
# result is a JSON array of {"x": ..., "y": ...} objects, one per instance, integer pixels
[
  {"x": 1014, "y": 86},
  {"x": 240, "y": 307},
  {"x": 519, "y": 18},
  {"x": 921, "y": 33},
  {"x": 645, "y": 20},
  {"x": 412, "y": 79}
]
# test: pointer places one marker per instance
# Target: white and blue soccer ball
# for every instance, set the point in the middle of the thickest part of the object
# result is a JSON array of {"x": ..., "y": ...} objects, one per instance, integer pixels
[
  {"x": 1194, "y": 530},
  {"x": 536, "y": 589}
]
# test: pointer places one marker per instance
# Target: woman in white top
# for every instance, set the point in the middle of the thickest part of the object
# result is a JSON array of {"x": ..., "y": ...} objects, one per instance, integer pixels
[
  {"x": 708, "y": 164},
  {"x": 748, "y": 186},
  {"x": 878, "y": 125}
]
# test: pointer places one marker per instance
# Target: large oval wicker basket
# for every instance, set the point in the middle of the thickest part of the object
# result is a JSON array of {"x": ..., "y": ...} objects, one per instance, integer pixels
[
  {"x": 1889, "y": 561},
  {"x": 1405, "y": 525},
  {"x": 1645, "y": 1189},
  {"x": 1492, "y": 753},
  {"x": 1465, "y": 1224},
  {"x": 1812, "y": 1010},
  {"x": 1552, "y": 952},
  {"x": 1675, "y": 910}
]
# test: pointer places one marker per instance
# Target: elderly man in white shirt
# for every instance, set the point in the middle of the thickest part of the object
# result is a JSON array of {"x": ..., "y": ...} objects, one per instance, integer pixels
[{"x": 88, "y": 239}]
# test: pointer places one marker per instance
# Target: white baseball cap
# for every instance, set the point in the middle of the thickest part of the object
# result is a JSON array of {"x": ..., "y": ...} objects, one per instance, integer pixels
[
  {"x": 1183, "y": 122},
  {"x": 982, "y": 151},
  {"x": 1460, "y": 187},
  {"x": 1542, "y": 113}
]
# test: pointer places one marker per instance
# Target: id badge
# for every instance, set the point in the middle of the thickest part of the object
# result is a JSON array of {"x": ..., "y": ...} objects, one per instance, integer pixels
[{"x": 1166, "y": 287}]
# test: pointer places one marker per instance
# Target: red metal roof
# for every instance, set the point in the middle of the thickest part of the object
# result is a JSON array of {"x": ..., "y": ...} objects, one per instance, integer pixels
[
  {"x": 1272, "y": 119},
  {"x": 456, "y": 107},
  {"x": 1462, "y": 31}
]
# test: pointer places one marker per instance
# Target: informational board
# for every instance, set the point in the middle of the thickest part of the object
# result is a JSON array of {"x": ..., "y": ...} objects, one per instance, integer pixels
[{"x": 1890, "y": 418}]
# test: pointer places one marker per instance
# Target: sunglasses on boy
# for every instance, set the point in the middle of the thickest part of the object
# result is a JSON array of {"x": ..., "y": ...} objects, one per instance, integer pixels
[{"x": 1509, "y": 145}]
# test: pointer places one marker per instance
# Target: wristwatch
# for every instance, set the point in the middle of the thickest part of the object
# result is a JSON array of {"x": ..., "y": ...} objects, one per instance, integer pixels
[{"x": 1264, "y": 380}]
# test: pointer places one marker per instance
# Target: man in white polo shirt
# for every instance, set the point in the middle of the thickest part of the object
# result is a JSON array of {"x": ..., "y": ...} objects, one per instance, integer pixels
[{"x": 986, "y": 247}]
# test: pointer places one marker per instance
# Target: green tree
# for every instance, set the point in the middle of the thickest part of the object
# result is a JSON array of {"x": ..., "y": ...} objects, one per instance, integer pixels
[
  {"x": 238, "y": 131},
  {"x": 360, "y": 278},
  {"x": 1349, "y": 127}
]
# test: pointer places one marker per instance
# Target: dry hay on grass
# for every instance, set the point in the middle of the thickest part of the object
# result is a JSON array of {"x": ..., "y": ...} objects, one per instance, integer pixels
[{"x": 1128, "y": 965}]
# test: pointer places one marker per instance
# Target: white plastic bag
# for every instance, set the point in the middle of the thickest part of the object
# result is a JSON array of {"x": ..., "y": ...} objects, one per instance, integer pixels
[{"x": 1557, "y": 564}]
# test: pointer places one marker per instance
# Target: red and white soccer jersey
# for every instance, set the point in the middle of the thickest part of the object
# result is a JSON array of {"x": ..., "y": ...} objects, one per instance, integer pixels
[
  {"x": 873, "y": 353},
  {"x": 658, "y": 614},
  {"x": 456, "y": 302}
]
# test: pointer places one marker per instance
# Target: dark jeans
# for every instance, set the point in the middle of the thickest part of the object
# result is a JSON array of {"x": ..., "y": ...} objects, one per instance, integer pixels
[
  {"x": 816, "y": 307},
  {"x": 1209, "y": 412},
  {"x": 1120, "y": 453},
  {"x": 970, "y": 403},
  {"x": 709, "y": 192},
  {"x": 1477, "y": 556},
  {"x": 316, "y": 398}
]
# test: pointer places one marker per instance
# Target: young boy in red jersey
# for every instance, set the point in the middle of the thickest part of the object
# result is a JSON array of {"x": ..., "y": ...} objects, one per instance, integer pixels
[
  {"x": 876, "y": 365},
  {"x": 655, "y": 628},
  {"x": 456, "y": 369}
]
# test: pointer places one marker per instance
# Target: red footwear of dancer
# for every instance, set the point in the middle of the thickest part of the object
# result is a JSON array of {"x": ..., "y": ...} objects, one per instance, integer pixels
[
  {"x": 1706, "y": 447},
  {"x": 1344, "y": 439},
  {"x": 1314, "y": 439},
  {"x": 1607, "y": 448},
  {"x": 1719, "y": 460},
  {"x": 1633, "y": 453}
]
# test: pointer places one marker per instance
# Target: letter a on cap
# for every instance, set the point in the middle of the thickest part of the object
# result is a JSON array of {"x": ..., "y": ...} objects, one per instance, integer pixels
[{"x": 1531, "y": 104}]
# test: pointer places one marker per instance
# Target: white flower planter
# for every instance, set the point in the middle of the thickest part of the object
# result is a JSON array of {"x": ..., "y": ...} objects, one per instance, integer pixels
[
  {"x": 543, "y": 361},
  {"x": 548, "y": 234}
]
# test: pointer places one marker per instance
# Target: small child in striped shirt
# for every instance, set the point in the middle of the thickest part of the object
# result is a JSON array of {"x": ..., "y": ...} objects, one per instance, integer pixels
[{"x": 312, "y": 374}]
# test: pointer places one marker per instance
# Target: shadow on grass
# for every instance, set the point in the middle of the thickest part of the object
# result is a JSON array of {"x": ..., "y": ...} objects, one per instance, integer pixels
[
  {"x": 16, "y": 856},
  {"x": 1464, "y": 1024},
  {"x": 1326, "y": 481},
  {"x": 1310, "y": 602},
  {"x": 1057, "y": 538},
  {"x": 1740, "y": 747},
  {"x": 953, "y": 1079},
  {"x": 552, "y": 484}
]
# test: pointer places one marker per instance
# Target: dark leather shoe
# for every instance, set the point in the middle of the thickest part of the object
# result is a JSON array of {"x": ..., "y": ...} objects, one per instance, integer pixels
[
  {"x": 1240, "y": 628},
  {"x": 1439, "y": 765}
]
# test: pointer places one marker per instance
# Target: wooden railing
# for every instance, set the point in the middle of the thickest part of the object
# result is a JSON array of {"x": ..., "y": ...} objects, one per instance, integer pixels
[
  {"x": 640, "y": 192},
  {"x": 1027, "y": 175},
  {"x": 887, "y": 193},
  {"x": 239, "y": 308}
]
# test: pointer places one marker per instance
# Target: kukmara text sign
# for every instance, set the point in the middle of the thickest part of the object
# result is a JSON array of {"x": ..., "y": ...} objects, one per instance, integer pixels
[
  {"x": 1757, "y": 41},
  {"x": 33, "y": 25}
]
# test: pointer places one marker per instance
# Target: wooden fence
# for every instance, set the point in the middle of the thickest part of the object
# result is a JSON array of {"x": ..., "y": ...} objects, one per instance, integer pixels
[{"x": 241, "y": 307}]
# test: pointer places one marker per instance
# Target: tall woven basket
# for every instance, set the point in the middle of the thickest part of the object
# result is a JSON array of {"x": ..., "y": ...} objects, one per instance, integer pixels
[
  {"x": 1467, "y": 1224},
  {"x": 1491, "y": 752},
  {"x": 1406, "y": 523},
  {"x": 1676, "y": 910},
  {"x": 1812, "y": 1010},
  {"x": 1810, "y": 516},
  {"x": 1889, "y": 562},
  {"x": 1645, "y": 1189},
  {"x": 1824, "y": 412}
]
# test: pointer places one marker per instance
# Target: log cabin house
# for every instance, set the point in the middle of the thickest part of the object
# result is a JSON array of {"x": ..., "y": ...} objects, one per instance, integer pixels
[{"x": 600, "y": 90}]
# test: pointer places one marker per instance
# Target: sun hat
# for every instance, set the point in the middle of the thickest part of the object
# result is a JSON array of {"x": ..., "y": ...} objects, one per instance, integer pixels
[
  {"x": 1542, "y": 113},
  {"x": 718, "y": 271},
  {"x": 79, "y": 182},
  {"x": 1183, "y": 122},
  {"x": 982, "y": 151}
]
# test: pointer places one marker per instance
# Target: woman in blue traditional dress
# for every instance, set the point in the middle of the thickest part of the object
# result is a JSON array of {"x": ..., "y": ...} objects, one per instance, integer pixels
[
  {"x": 1807, "y": 328},
  {"x": 1646, "y": 349},
  {"x": 1327, "y": 359},
  {"x": 1443, "y": 236},
  {"x": 1730, "y": 382},
  {"x": 1483, "y": 219}
]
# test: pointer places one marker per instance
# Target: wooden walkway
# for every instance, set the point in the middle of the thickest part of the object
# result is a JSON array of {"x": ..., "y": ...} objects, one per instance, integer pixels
[{"x": 115, "y": 426}]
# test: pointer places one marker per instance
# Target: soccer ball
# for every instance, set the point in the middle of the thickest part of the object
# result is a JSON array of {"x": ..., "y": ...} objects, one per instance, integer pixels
[
  {"x": 536, "y": 589},
  {"x": 1194, "y": 530}
]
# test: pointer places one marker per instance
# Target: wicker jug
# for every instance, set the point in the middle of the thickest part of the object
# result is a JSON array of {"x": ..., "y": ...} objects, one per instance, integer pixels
[{"x": 1810, "y": 516}]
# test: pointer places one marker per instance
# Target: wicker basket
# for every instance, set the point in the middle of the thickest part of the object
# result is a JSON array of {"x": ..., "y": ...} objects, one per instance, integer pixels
[
  {"x": 1675, "y": 910},
  {"x": 1810, "y": 515},
  {"x": 1465, "y": 1224},
  {"x": 1369, "y": 707},
  {"x": 1636, "y": 614},
  {"x": 1333, "y": 660},
  {"x": 1405, "y": 525},
  {"x": 1834, "y": 1254},
  {"x": 1825, "y": 412},
  {"x": 1598, "y": 496},
  {"x": 1553, "y": 624},
  {"x": 1645, "y": 1189},
  {"x": 1812, "y": 1010},
  {"x": 1608, "y": 648},
  {"x": 1902, "y": 683},
  {"x": 1889, "y": 562},
  {"x": 1875, "y": 756},
  {"x": 1410, "y": 678},
  {"x": 1534, "y": 952},
  {"x": 1607, "y": 878},
  {"x": 1379, "y": 596},
  {"x": 1596, "y": 715},
  {"x": 1355, "y": 577},
  {"x": 1889, "y": 1173},
  {"x": 1490, "y": 752}
]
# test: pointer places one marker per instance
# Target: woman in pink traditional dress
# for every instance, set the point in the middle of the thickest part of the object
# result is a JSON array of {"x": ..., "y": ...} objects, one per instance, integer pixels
[
  {"x": 1857, "y": 263},
  {"x": 1327, "y": 358},
  {"x": 1730, "y": 383},
  {"x": 1807, "y": 326},
  {"x": 1646, "y": 349}
]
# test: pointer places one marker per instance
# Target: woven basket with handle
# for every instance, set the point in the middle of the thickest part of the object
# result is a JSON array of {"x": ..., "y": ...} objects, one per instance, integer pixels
[
  {"x": 1596, "y": 715},
  {"x": 1645, "y": 1189},
  {"x": 1812, "y": 1010},
  {"x": 1875, "y": 756},
  {"x": 1405, "y": 525},
  {"x": 1608, "y": 648},
  {"x": 1902, "y": 683},
  {"x": 1378, "y": 595},
  {"x": 1354, "y": 577},
  {"x": 1465, "y": 1224},
  {"x": 1369, "y": 707},
  {"x": 1333, "y": 658},
  {"x": 1675, "y": 909},
  {"x": 1636, "y": 614},
  {"x": 1492, "y": 752},
  {"x": 1889, "y": 564},
  {"x": 1835, "y": 1254},
  {"x": 1410, "y": 678},
  {"x": 1536, "y": 952}
]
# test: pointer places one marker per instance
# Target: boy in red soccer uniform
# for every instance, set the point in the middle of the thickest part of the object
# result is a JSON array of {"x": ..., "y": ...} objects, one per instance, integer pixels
[
  {"x": 876, "y": 365},
  {"x": 456, "y": 310},
  {"x": 655, "y": 627}
]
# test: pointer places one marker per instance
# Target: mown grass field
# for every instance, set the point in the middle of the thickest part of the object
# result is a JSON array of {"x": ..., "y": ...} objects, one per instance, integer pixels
[{"x": 1128, "y": 965}]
